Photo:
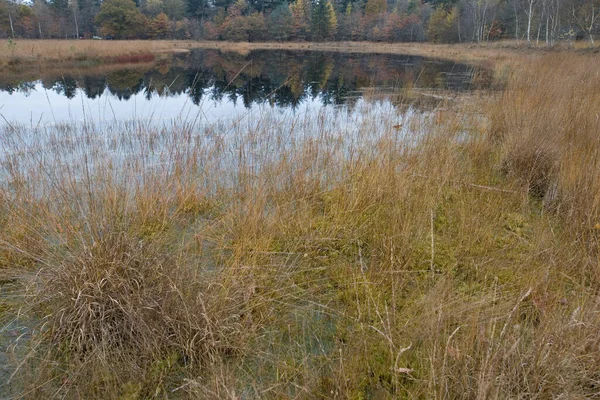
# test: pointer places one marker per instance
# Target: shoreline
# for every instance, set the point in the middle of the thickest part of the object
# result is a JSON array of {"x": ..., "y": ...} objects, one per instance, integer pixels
[{"x": 85, "y": 53}]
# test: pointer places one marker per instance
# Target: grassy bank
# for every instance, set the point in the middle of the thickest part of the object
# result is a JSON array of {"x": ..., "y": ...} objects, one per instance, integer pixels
[
  {"x": 54, "y": 55},
  {"x": 451, "y": 255},
  {"x": 91, "y": 53},
  {"x": 84, "y": 53}
]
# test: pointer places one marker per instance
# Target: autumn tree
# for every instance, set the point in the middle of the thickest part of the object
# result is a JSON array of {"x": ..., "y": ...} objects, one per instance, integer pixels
[
  {"x": 235, "y": 26},
  {"x": 121, "y": 19},
  {"x": 257, "y": 26},
  {"x": 213, "y": 30},
  {"x": 300, "y": 10},
  {"x": 373, "y": 20},
  {"x": 182, "y": 29},
  {"x": 160, "y": 26},
  {"x": 392, "y": 28},
  {"x": 26, "y": 21},
  {"x": 442, "y": 26}
]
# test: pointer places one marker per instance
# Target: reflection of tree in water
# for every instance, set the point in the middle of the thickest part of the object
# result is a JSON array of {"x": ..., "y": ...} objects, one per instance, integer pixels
[
  {"x": 285, "y": 97},
  {"x": 17, "y": 87},
  {"x": 124, "y": 84},
  {"x": 197, "y": 87},
  {"x": 318, "y": 73},
  {"x": 169, "y": 81},
  {"x": 93, "y": 86},
  {"x": 66, "y": 85},
  {"x": 335, "y": 92},
  {"x": 282, "y": 78},
  {"x": 295, "y": 82}
]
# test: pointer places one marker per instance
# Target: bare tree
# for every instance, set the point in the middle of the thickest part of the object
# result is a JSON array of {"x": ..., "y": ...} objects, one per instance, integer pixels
[
  {"x": 75, "y": 19},
  {"x": 530, "y": 10},
  {"x": 585, "y": 15},
  {"x": 481, "y": 10},
  {"x": 12, "y": 30}
]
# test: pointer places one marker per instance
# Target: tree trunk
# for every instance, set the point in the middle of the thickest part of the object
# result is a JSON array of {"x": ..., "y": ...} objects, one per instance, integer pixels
[
  {"x": 12, "y": 30},
  {"x": 556, "y": 22},
  {"x": 591, "y": 28},
  {"x": 529, "y": 17},
  {"x": 516, "y": 21},
  {"x": 457, "y": 23},
  {"x": 76, "y": 24},
  {"x": 547, "y": 23},
  {"x": 537, "y": 40}
]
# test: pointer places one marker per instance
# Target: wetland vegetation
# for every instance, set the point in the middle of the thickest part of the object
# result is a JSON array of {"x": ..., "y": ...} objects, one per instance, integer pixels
[{"x": 383, "y": 246}]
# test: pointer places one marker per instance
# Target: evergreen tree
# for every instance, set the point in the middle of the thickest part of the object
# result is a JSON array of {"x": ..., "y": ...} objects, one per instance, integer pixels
[
  {"x": 374, "y": 8},
  {"x": 324, "y": 20},
  {"x": 60, "y": 7},
  {"x": 197, "y": 8},
  {"x": 175, "y": 9},
  {"x": 280, "y": 23}
]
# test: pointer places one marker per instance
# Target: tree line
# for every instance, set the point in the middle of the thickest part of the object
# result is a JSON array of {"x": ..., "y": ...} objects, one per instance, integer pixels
[{"x": 440, "y": 21}]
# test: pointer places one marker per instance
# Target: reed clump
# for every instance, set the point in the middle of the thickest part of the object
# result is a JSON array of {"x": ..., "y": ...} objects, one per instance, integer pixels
[
  {"x": 548, "y": 123},
  {"x": 376, "y": 254}
]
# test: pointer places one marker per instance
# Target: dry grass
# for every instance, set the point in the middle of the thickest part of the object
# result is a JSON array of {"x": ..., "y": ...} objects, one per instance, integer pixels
[
  {"x": 547, "y": 120},
  {"x": 84, "y": 52},
  {"x": 302, "y": 257},
  {"x": 81, "y": 51},
  {"x": 51, "y": 53}
]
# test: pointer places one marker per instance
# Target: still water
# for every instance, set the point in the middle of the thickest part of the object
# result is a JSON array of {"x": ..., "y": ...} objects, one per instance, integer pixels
[{"x": 209, "y": 86}]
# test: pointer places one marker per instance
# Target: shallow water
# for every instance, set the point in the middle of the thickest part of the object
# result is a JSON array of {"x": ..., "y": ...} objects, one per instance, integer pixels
[{"x": 209, "y": 86}]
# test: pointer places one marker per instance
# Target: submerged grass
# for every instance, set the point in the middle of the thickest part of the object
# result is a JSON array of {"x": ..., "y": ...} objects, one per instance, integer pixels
[{"x": 448, "y": 255}]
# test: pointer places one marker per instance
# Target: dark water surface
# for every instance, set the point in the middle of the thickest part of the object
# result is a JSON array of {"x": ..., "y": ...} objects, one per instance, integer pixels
[{"x": 211, "y": 85}]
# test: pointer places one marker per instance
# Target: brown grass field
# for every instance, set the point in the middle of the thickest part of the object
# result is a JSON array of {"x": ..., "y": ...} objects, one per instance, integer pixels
[
  {"x": 292, "y": 259},
  {"x": 51, "y": 53}
]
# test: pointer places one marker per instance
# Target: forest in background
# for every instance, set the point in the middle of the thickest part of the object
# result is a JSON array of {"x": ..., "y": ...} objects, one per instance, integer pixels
[{"x": 438, "y": 21}]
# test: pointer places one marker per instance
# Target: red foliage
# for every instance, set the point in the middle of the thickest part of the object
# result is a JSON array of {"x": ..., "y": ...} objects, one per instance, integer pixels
[
  {"x": 496, "y": 30},
  {"x": 394, "y": 27},
  {"x": 211, "y": 31}
]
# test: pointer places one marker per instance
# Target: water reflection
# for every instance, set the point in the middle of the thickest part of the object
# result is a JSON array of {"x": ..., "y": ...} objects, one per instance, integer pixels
[{"x": 229, "y": 81}]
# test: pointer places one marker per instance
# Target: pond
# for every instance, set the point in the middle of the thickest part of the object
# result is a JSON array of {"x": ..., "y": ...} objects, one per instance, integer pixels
[{"x": 210, "y": 85}]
